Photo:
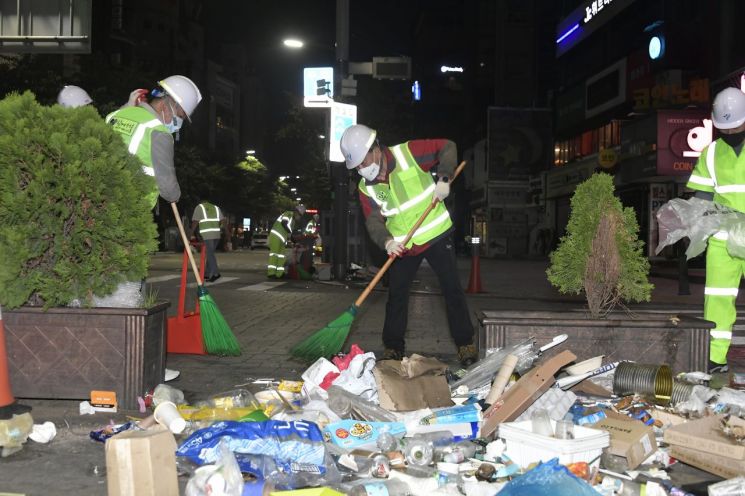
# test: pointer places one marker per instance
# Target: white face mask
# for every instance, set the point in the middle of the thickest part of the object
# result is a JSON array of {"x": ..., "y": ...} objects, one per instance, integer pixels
[
  {"x": 176, "y": 121},
  {"x": 370, "y": 172}
]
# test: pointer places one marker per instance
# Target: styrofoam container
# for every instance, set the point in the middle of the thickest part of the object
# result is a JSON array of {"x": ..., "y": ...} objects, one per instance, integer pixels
[{"x": 524, "y": 447}]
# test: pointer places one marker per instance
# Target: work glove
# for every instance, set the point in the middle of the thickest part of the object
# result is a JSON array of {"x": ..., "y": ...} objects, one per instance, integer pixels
[
  {"x": 136, "y": 97},
  {"x": 394, "y": 247},
  {"x": 442, "y": 189}
]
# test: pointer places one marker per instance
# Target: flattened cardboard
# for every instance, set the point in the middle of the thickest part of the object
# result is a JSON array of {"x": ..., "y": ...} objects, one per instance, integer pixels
[
  {"x": 715, "y": 464},
  {"x": 629, "y": 438},
  {"x": 524, "y": 392},
  {"x": 142, "y": 463},
  {"x": 707, "y": 436},
  {"x": 412, "y": 384}
]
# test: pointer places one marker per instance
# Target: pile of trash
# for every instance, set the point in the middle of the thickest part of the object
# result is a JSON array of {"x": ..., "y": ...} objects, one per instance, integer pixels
[{"x": 520, "y": 421}]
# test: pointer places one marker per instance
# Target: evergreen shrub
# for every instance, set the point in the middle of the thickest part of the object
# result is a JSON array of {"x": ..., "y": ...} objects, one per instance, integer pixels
[
  {"x": 601, "y": 254},
  {"x": 74, "y": 217}
]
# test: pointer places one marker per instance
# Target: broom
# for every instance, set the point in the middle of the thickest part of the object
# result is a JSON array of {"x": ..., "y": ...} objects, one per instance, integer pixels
[
  {"x": 218, "y": 338},
  {"x": 329, "y": 340}
]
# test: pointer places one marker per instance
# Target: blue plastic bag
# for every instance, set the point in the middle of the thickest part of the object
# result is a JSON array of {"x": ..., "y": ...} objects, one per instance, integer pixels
[
  {"x": 548, "y": 479},
  {"x": 294, "y": 446}
]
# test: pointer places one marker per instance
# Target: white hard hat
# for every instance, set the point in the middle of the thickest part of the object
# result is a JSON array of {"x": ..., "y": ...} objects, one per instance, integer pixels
[
  {"x": 73, "y": 96},
  {"x": 355, "y": 143},
  {"x": 728, "y": 110},
  {"x": 184, "y": 91}
]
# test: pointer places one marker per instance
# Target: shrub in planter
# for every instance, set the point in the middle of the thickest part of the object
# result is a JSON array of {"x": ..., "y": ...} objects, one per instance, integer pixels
[
  {"x": 601, "y": 254},
  {"x": 74, "y": 218}
]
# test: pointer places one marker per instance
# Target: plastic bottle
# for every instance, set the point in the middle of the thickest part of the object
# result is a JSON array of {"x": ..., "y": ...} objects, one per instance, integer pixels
[
  {"x": 387, "y": 442},
  {"x": 340, "y": 405},
  {"x": 420, "y": 449},
  {"x": 382, "y": 488},
  {"x": 456, "y": 453},
  {"x": 364, "y": 409}
]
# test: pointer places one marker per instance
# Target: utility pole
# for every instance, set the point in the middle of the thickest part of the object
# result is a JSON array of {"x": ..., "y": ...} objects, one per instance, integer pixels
[{"x": 339, "y": 171}]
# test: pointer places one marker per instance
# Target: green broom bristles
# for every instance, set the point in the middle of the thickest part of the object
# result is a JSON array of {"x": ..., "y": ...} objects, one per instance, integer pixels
[
  {"x": 329, "y": 340},
  {"x": 218, "y": 338}
]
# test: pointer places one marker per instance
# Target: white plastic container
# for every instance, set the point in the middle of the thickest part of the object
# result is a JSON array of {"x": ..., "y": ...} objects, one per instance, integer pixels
[{"x": 524, "y": 447}]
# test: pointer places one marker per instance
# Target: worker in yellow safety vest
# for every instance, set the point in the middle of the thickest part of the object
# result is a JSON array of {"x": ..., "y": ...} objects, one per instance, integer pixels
[
  {"x": 396, "y": 188},
  {"x": 718, "y": 176},
  {"x": 278, "y": 238}
]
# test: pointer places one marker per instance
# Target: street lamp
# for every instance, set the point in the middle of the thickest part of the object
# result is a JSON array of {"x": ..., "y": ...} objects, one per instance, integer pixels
[
  {"x": 250, "y": 152},
  {"x": 293, "y": 43}
]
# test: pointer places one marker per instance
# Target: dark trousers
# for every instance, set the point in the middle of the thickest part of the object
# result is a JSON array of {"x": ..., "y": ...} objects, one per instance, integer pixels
[
  {"x": 441, "y": 257},
  {"x": 210, "y": 268}
]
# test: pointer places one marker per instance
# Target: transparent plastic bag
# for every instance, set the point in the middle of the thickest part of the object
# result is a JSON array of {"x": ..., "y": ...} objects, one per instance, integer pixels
[
  {"x": 735, "y": 228},
  {"x": 482, "y": 372},
  {"x": 696, "y": 219},
  {"x": 224, "y": 477},
  {"x": 127, "y": 295}
]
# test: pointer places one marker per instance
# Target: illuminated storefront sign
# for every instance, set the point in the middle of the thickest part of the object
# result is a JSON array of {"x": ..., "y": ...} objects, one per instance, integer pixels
[
  {"x": 666, "y": 95},
  {"x": 585, "y": 20}
]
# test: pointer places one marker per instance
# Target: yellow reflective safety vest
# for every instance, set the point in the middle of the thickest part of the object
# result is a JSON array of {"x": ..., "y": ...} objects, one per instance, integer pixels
[
  {"x": 209, "y": 224},
  {"x": 722, "y": 172},
  {"x": 405, "y": 197},
  {"x": 136, "y": 125}
]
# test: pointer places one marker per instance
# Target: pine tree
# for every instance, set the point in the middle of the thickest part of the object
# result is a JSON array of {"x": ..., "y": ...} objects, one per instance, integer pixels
[
  {"x": 74, "y": 217},
  {"x": 601, "y": 254}
]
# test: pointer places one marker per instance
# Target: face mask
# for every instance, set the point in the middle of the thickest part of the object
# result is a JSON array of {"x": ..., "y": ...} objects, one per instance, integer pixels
[
  {"x": 370, "y": 172},
  {"x": 176, "y": 121},
  {"x": 734, "y": 139}
]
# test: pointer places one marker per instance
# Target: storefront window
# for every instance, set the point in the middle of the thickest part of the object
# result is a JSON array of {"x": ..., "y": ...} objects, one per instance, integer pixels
[{"x": 587, "y": 143}]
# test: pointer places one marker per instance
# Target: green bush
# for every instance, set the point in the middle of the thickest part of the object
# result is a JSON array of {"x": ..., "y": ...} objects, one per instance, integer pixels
[
  {"x": 74, "y": 218},
  {"x": 601, "y": 254}
]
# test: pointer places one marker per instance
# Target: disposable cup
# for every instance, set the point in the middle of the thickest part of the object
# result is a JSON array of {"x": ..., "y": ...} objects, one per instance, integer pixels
[{"x": 168, "y": 415}]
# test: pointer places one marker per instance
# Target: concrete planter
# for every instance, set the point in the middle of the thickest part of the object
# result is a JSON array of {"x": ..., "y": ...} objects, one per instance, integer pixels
[
  {"x": 681, "y": 341},
  {"x": 64, "y": 353}
]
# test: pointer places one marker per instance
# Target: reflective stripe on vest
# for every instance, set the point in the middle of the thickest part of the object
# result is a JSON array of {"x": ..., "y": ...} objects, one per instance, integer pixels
[
  {"x": 310, "y": 227},
  {"x": 726, "y": 192},
  {"x": 277, "y": 226},
  {"x": 207, "y": 223},
  {"x": 405, "y": 198},
  {"x": 135, "y": 125}
]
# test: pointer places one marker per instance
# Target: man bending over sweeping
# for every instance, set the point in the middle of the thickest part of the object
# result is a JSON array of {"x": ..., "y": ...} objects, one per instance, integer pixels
[{"x": 395, "y": 189}]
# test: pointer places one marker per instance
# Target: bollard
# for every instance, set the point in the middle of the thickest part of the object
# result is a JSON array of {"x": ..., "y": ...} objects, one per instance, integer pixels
[{"x": 474, "y": 281}]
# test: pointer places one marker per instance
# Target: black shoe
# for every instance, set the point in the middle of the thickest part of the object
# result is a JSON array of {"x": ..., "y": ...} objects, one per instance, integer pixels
[
  {"x": 214, "y": 278},
  {"x": 393, "y": 354},
  {"x": 718, "y": 368},
  {"x": 467, "y": 355}
]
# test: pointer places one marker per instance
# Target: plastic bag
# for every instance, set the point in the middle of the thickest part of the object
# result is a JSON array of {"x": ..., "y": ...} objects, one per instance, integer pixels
[
  {"x": 548, "y": 479},
  {"x": 735, "y": 236},
  {"x": 731, "y": 487},
  {"x": 126, "y": 295},
  {"x": 358, "y": 377},
  {"x": 224, "y": 478},
  {"x": 696, "y": 219},
  {"x": 482, "y": 372}
]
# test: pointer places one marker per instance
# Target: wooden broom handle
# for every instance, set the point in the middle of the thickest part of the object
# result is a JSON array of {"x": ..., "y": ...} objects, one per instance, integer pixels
[
  {"x": 186, "y": 243},
  {"x": 408, "y": 237}
]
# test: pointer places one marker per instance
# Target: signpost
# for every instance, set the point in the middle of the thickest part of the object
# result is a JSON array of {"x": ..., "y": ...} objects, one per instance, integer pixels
[{"x": 342, "y": 116}]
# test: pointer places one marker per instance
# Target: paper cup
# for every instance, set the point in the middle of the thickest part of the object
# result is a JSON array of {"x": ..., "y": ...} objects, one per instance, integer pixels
[{"x": 168, "y": 415}]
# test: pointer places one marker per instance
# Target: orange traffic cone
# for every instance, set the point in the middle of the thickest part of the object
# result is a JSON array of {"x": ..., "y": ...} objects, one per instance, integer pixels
[
  {"x": 474, "y": 281},
  {"x": 8, "y": 405}
]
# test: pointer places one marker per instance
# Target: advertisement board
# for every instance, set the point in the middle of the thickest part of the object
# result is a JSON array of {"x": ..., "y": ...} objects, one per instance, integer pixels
[{"x": 681, "y": 135}]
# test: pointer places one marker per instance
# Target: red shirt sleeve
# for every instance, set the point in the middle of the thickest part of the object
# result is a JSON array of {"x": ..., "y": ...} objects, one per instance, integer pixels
[{"x": 427, "y": 152}]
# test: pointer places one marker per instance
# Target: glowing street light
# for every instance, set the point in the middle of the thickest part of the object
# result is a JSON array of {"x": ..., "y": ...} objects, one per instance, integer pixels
[
  {"x": 293, "y": 43},
  {"x": 250, "y": 152}
]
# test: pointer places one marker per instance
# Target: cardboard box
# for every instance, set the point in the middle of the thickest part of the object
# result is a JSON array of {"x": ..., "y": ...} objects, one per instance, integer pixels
[
  {"x": 707, "y": 436},
  {"x": 524, "y": 392},
  {"x": 629, "y": 438},
  {"x": 716, "y": 464},
  {"x": 142, "y": 463},
  {"x": 412, "y": 384}
]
